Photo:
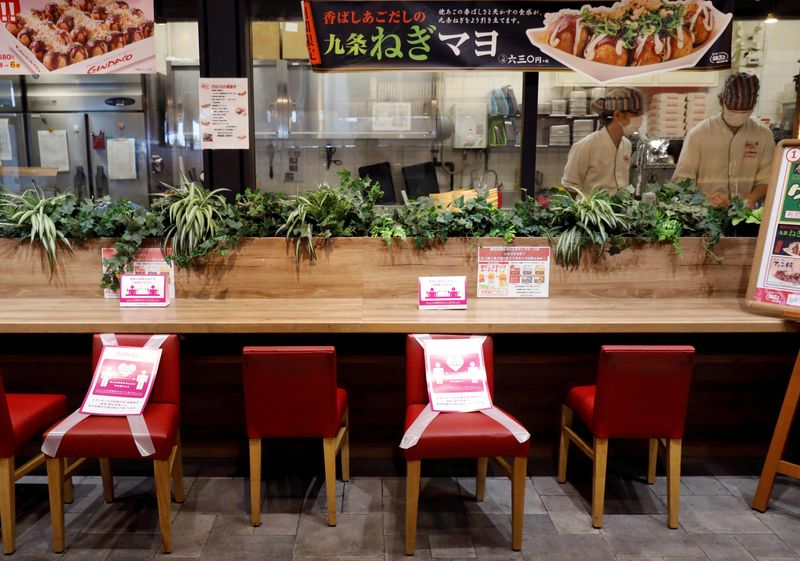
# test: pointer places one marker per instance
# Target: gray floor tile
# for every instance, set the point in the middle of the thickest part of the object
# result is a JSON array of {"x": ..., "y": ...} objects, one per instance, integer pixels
[
  {"x": 37, "y": 540},
  {"x": 135, "y": 546},
  {"x": 785, "y": 526},
  {"x": 569, "y": 514},
  {"x": 248, "y": 548},
  {"x": 363, "y": 496},
  {"x": 551, "y": 486},
  {"x": 660, "y": 487},
  {"x": 221, "y": 495},
  {"x": 452, "y": 546},
  {"x": 566, "y": 548},
  {"x": 765, "y": 545},
  {"x": 355, "y": 535},
  {"x": 723, "y": 547},
  {"x": 271, "y": 525},
  {"x": 494, "y": 541},
  {"x": 395, "y": 548},
  {"x": 440, "y": 514},
  {"x": 643, "y": 535},
  {"x": 705, "y": 485},
  {"x": 90, "y": 547},
  {"x": 537, "y": 524},
  {"x": 394, "y": 486},
  {"x": 718, "y": 514}
]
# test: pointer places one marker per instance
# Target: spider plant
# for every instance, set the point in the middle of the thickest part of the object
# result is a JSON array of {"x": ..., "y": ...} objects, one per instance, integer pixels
[
  {"x": 193, "y": 216},
  {"x": 581, "y": 220},
  {"x": 30, "y": 214}
]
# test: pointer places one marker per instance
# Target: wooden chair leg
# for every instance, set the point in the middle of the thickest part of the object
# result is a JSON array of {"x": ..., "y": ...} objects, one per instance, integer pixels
[
  {"x": 55, "y": 486},
  {"x": 329, "y": 451},
  {"x": 599, "y": 480},
  {"x": 673, "y": 481},
  {"x": 161, "y": 469},
  {"x": 344, "y": 451},
  {"x": 518, "y": 501},
  {"x": 177, "y": 471},
  {"x": 8, "y": 516},
  {"x": 108, "y": 479},
  {"x": 69, "y": 489},
  {"x": 255, "y": 481},
  {"x": 480, "y": 479},
  {"x": 563, "y": 448},
  {"x": 652, "y": 460},
  {"x": 413, "y": 471}
]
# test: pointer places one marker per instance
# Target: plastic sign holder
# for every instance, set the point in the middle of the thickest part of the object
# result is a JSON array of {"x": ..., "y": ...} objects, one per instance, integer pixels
[
  {"x": 442, "y": 293},
  {"x": 143, "y": 291}
]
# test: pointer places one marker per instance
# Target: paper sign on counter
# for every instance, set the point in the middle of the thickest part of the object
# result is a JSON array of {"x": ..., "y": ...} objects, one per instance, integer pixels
[
  {"x": 143, "y": 290},
  {"x": 121, "y": 158},
  {"x": 53, "y": 151},
  {"x": 513, "y": 272},
  {"x": 442, "y": 293},
  {"x": 122, "y": 381}
]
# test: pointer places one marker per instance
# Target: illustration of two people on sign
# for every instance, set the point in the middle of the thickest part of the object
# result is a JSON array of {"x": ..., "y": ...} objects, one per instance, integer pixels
[
  {"x": 152, "y": 291},
  {"x": 452, "y": 294},
  {"x": 439, "y": 375},
  {"x": 123, "y": 371}
]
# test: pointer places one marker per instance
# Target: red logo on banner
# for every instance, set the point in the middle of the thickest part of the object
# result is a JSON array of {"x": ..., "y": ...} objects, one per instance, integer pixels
[{"x": 9, "y": 10}]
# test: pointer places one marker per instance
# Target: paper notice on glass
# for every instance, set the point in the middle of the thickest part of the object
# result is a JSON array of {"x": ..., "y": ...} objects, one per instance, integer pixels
[
  {"x": 121, "y": 158},
  {"x": 53, "y": 152},
  {"x": 391, "y": 116},
  {"x": 5, "y": 141},
  {"x": 224, "y": 107},
  {"x": 122, "y": 381},
  {"x": 456, "y": 374}
]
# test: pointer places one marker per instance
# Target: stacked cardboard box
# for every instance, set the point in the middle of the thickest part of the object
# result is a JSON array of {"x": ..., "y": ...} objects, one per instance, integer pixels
[{"x": 666, "y": 115}]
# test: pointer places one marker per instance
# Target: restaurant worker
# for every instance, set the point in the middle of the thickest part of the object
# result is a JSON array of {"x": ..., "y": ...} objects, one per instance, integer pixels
[
  {"x": 730, "y": 154},
  {"x": 603, "y": 159}
]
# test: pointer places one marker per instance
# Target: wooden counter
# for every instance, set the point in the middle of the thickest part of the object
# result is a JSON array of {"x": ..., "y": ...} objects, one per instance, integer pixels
[{"x": 398, "y": 315}]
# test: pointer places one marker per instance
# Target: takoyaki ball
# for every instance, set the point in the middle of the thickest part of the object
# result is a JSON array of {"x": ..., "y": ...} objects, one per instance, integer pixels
[
  {"x": 147, "y": 29},
  {"x": 702, "y": 27},
  {"x": 99, "y": 13},
  {"x": 39, "y": 14},
  {"x": 123, "y": 5},
  {"x": 116, "y": 40},
  {"x": 681, "y": 46},
  {"x": 137, "y": 13},
  {"x": 66, "y": 23},
  {"x": 114, "y": 22},
  {"x": 80, "y": 35},
  {"x": 608, "y": 50},
  {"x": 96, "y": 47},
  {"x": 647, "y": 52},
  {"x": 134, "y": 34},
  {"x": 563, "y": 36},
  {"x": 52, "y": 11},
  {"x": 25, "y": 36},
  {"x": 53, "y": 60},
  {"x": 64, "y": 37},
  {"x": 77, "y": 53},
  {"x": 14, "y": 27},
  {"x": 38, "y": 48},
  {"x": 82, "y": 5}
]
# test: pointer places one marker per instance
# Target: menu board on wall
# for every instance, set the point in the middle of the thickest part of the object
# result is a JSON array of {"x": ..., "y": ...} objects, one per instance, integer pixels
[
  {"x": 775, "y": 276},
  {"x": 223, "y": 114},
  {"x": 600, "y": 39},
  {"x": 77, "y": 37},
  {"x": 513, "y": 272}
]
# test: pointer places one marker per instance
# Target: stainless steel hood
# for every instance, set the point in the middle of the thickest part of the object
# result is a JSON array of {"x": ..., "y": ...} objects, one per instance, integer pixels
[{"x": 85, "y": 93}]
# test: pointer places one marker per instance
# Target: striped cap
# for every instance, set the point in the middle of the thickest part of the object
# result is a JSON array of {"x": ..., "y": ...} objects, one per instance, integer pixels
[
  {"x": 741, "y": 91},
  {"x": 625, "y": 100}
]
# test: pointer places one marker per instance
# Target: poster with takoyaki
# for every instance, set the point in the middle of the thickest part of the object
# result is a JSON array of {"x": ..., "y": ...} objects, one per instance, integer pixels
[
  {"x": 606, "y": 40},
  {"x": 77, "y": 37},
  {"x": 775, "y": 277},
  {"x": 224, "y": 114}
]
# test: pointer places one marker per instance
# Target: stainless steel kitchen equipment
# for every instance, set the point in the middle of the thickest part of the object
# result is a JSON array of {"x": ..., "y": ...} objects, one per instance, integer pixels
[
  {"x": 93, "y": 129},
  {"x": 176, "y": 148},
  {"x": 12, "y": 134}
]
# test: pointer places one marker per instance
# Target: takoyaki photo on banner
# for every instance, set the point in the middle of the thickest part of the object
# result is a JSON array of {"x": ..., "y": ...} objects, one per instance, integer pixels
[
  {"x": 606, "y": 40},
  {"x": 77, "y": 37}
]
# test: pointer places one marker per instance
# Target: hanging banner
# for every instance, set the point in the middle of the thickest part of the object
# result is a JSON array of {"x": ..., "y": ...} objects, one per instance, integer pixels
[
  {"x": 77, "y": 37},
  {"x": 603, "y": 40}
]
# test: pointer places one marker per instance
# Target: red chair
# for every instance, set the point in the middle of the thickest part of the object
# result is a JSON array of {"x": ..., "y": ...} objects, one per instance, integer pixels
[
  {"x": 459, "y": 435},
  {"x": 23, "y": 418},
  {"x": 290, "y": 392},
  {"x": 108, "y": 438},
  {"x": 641, "y": 392}
]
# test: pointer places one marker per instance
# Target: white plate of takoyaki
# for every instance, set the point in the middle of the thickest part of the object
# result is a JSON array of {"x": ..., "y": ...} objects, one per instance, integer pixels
[
  {"x": 92, "y": 36},
  {"x": 631, "y": 38}
]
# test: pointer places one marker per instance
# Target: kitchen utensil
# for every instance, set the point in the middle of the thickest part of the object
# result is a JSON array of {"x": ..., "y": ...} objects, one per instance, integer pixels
[
  {"x": 330, "y": 151},
  {"x": 271, "y": 158}
]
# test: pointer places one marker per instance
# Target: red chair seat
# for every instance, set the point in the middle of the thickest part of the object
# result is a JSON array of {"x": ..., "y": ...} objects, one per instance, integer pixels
[
  {"x": 462, "y": 435},
  {"x": 341, "y": 402},
  {"x": 110, "y": 437},
  {"x": 30, "y": 415},
  {"x": 581, "y": 400}
]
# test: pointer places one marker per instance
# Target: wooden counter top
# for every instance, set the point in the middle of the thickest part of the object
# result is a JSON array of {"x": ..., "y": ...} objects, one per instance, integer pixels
[{"x": 338, "y": 315}]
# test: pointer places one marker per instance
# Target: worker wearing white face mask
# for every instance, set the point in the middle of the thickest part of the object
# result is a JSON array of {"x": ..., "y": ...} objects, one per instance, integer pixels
[
  {"x": 730, "y": 154},
  {"x": 603, "y": 159}
]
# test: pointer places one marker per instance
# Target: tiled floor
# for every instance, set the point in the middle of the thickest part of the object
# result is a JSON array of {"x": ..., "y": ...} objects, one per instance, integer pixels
[{"x": 717, "y": 523}]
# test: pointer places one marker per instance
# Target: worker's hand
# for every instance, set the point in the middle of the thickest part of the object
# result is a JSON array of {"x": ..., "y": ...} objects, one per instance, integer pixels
[
  {"x": 751, "y": 201},
  {"x": 719, "y": 200}
]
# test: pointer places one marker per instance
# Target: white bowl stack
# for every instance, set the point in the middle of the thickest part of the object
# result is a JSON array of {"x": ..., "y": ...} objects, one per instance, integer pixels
[
  {"x": 577, "y": 103},
  {"x": 698, "y": 107},
  {"x": 666, "y": 115},
  {"x": 559, "y": 135}
]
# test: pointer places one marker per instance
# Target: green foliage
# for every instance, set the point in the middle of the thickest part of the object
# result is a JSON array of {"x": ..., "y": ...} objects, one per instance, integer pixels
[
  {"x": 260, "y": 214},
  {"x": 33, "y": 216}
]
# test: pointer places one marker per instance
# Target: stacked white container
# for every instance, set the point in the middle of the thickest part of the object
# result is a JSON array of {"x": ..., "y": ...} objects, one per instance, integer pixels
[
  {"x": 577, "y": 103},
  {"x": 559, "y": 135},
  {"x": 698, "y": 107},
  {"x": 581, "y": 128},
  {"x": 666, "y": 115}
]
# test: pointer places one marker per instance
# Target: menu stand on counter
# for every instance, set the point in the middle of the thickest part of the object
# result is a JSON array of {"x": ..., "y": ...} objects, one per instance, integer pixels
[{"x": 774, "y": 463}]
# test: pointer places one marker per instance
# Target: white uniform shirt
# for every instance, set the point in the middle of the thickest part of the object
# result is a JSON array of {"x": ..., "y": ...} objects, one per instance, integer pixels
[
  {"x": 595, "y": 162},
  {"x": 722, "y": 162}
]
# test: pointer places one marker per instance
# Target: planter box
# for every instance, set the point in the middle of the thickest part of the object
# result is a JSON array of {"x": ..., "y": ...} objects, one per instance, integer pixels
[{"x": 355, "y": 267}]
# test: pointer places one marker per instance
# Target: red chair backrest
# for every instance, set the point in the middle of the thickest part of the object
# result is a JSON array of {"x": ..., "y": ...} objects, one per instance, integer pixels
[
  {"x": 167, "y": 388},
  {"x": 7, "y": 440},
  {"x": 642, "y": 391},
  {"x": 416, "y": 383},
  {"x": 290, "y": 391}
]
